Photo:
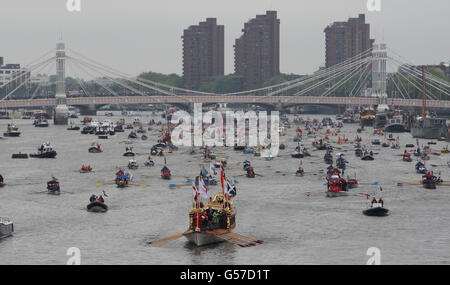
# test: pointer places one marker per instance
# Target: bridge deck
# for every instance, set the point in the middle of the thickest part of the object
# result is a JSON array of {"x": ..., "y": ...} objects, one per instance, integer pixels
[{"x": 287, "y": 100}]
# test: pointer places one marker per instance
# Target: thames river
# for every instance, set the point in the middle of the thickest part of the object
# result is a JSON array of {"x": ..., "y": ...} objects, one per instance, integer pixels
[{"x": 296, "y": 228}]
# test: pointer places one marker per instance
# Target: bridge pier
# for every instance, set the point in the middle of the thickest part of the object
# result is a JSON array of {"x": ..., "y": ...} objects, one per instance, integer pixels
[{"x": 61, "y": 114}]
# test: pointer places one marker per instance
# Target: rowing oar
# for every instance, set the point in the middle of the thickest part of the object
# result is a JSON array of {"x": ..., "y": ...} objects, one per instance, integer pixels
[
  {"x": 108, "y": 183},
  {"x": 141, "y": 185},
  {"x": 172, "y": 186},
  {"x": 228, "y": 236},
  {"x": 400, "y": 184},
  {"x": 245, "y": 237},
  {"x": 369, "y": 184},
  {"x": 412, "y": 180},
  {"x": 165, "y": 240},
  {"x": 40, "y": 192}
]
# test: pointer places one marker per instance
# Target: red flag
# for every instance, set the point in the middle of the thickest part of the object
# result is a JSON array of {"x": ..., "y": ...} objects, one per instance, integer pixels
[{"x": 222, "y": 174}]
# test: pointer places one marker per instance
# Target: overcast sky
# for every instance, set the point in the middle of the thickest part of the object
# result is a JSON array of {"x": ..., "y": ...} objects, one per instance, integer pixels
[{"x": 145, "y": 35}]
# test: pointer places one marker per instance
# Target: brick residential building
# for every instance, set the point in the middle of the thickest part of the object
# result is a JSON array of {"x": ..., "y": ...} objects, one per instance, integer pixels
[
  {"x": 257, "y": 51},
  {"x": 203, "y": 53},
  {"x": 344, "y": 40}
]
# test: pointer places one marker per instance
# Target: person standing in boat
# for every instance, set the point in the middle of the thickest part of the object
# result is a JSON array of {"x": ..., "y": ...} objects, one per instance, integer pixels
[
  {"x": 374, "y": 201},
  {"x": 93, "y": 198}
]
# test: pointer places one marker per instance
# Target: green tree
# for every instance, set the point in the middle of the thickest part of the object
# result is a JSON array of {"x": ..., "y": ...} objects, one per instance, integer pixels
[{"x": 171, "y": 79}]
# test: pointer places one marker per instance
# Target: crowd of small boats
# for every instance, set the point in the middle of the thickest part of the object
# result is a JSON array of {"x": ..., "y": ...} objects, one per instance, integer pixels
[{"x": 213, "y": 217}]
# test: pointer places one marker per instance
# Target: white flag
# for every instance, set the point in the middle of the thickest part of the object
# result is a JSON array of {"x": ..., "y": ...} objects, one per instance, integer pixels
[{"x": 203, "y": 189}]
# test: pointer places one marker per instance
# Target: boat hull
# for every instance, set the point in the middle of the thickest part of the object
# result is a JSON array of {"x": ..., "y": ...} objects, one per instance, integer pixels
[
  {"x": 51, "y": 154},
  {"x": 202, "y": 239},
  {"x": 427, "y": 133},
  {"x": 367, "y": 158},
  {"x": 297, "y": 155},
  {"x": 377, "y": 211},
  {"x": 13, "y": 134},
  {"x": 97, "y": 207},
  {"x": 6, "y": 229},
  {"x": 336, "y": 194},
  {"x": 431, "y": 186}
]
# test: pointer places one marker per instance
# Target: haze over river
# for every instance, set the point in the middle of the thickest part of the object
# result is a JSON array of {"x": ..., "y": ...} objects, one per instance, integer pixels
[{"x": 295, "y": 228}]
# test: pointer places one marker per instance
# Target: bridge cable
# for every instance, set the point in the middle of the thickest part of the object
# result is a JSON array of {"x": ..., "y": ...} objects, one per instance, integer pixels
[{"x": 22, "y": 74}]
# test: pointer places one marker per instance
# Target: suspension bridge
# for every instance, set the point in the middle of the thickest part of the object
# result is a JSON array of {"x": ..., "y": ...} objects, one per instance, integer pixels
[{"x": 364, "y": 78}]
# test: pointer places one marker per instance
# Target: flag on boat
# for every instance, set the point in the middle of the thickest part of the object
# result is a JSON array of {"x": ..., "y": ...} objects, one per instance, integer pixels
[
  {"x": 203, "y": 189},
  {"x": 222, "y": 176},
  {"x": 195, "y": 191},
  {"x": 204, "y": 172},
  {"x": 231, "y": 189}
]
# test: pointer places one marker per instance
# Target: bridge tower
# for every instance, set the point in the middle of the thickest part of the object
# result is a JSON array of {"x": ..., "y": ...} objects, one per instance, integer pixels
[
  {"x": 379, "y": 58},
  {"x": 61, "y": 114}
]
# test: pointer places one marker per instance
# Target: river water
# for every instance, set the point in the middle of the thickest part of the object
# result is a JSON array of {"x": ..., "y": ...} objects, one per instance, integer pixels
[{"x": 296, "y": 228}]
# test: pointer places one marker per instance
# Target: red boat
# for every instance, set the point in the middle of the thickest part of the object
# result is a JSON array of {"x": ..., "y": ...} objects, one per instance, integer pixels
[
  {"x": 87, "y": 120},
  {"x": 250, "y": 172},
  {"x": 337, "y": 186},
  {"x": 352, "y": 183},
  {"x": 165, "y": 173},
  {"x": 429, "y": 180},
  {"x": 85, "y": 169}
]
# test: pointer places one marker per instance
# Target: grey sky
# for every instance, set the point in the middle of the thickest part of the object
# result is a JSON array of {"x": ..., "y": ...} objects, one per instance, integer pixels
[{"x": 142, "y": 35}]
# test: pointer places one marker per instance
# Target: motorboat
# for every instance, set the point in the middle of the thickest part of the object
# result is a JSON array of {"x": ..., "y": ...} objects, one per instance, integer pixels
[
  {"x": 45, "y": 151},
  {"x": 12, "y": 131},
  {"x": 6, "y": 227}
]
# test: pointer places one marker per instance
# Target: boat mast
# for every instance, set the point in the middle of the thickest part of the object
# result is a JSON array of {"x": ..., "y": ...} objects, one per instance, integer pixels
[{"x": 424, "y": 101}]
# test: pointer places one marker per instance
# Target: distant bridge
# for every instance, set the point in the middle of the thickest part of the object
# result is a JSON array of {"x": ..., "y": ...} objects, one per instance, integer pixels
[
  {"x": 319, "y": 88},
  {"x": 184, "y": 99}
]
